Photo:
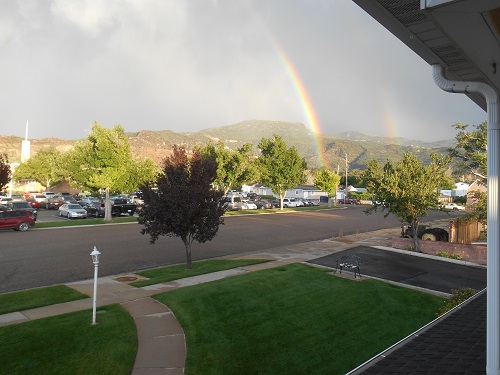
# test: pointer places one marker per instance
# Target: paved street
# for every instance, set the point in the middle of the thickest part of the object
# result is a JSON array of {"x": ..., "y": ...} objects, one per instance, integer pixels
[
  {"x": 43, "y": 257},
  {"x": 411, "y": 269}
]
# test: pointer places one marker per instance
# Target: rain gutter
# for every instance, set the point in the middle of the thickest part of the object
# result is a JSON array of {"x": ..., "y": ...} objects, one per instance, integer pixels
[{"x": 493, "y": 220}]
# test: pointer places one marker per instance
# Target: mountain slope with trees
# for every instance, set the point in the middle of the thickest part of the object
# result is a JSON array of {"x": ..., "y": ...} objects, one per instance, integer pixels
[{"x": 359, "y": 148}]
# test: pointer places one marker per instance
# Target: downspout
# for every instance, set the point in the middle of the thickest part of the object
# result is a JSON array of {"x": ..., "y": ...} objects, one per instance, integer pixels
[{"x": 493, "y": 240}]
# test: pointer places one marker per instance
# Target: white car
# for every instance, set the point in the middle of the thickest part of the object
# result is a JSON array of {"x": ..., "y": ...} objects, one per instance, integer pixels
[
  {"x": 72, "y": 210},
  {"x": 247, "y": 205},
  {"x": 289, "y": 202},
  {"x": 453, "y": 207}
]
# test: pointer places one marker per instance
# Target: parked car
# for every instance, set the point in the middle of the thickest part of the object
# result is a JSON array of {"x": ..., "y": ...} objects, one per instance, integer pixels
[
  {"x": 72, "y": 210},
  {"x": 276, "y": 203},
  {"x": 94, "y": 208},
  {"x": 289, "y": 202},
  {"x": 252, "y": 196},
  {"x": 232, "y": 202},
  {"x": 453, "y": 207},
  {"x": 33, "y": 203},
  {"x": 87, "y": 200},
  {"x": 354, "y": 201},
  {"x": 21, "y": 206},
  {"x": 38, "y": 197},
  {"x": 263, "y": 204},
  {"x": 311, "y": 202},
  {"x": 248, "y": 205},
  {"x": 18, "y": 220},
  {"x": 53, "y": 203}
]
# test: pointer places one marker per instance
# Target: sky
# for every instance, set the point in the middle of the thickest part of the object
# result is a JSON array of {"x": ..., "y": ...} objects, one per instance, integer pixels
[{"x": 188, "y": 65}]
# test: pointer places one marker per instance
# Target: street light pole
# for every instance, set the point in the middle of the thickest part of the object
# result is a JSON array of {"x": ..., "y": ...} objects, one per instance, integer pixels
[{"x": 95, "y": 259}]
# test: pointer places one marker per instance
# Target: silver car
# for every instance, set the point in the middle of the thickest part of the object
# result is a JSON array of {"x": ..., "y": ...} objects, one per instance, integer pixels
[{"x": 72, "y": 210}]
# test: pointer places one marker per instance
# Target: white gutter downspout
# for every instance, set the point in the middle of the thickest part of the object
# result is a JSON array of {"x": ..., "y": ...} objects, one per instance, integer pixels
[{"x": 493, "y": 242}]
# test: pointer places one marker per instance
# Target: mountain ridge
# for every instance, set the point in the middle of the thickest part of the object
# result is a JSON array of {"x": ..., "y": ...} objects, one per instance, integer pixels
[{"x": 359, "y": 147}]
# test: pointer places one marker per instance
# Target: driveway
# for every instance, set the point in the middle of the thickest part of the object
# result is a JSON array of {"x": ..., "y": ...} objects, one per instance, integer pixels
[{"x": 424, "y": 272}]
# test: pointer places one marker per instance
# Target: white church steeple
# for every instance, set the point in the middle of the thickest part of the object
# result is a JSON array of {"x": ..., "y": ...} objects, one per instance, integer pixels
[{"x": 25, "y": 148}]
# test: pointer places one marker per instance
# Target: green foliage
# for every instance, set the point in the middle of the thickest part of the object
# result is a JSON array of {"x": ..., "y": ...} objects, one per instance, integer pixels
[
  {"x": 46, "y": 167},
  {"x": 281, "y": 168},
  {"x": 461, "y": 200},
  {"x": 234, "y": 167},
  {"x": 354, "y": 178},
  {"x": 181, "y": 202},
  {"x": 104, "y": 161},
  {"x": 470, "y": 150},
  {"x": 327, "y": 180},
  {"x": 457, "y": 297},
  {"x": 446, "y": 254},
  {"x": 407, "y": 189},
  {"x": 5, "y": 171}
]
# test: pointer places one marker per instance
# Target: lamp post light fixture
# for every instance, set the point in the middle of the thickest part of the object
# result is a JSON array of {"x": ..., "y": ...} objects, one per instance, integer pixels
[{"x": 95, "y": 259}]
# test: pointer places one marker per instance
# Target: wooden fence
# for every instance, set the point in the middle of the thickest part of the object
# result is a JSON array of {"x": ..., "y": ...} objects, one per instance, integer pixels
[{"x": 465, "y": 231}]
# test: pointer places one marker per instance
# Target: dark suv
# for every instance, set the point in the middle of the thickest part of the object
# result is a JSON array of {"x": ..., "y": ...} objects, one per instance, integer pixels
[
  {"x": 21, "y": 206},
  {"x": 17, "y": 220}
]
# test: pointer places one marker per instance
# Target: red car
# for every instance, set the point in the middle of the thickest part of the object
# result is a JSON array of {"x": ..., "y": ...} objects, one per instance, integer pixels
[
  {"x": 17, "y": 220},
  {"x": 33, "y": 202}
]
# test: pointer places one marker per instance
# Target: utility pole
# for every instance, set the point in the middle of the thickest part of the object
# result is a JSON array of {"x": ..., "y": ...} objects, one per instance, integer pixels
[{"x": 345, "y": 190}]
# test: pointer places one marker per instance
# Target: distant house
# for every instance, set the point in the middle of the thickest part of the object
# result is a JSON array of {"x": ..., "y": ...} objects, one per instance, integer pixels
[
  {"x": 306, "y": 192},
  {"x": 460, "y": 189},
  {"x": 302, "y": 191}
]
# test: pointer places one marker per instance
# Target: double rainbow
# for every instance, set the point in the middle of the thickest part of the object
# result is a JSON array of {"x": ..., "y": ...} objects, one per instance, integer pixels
[{"x": 307, "y": 106}]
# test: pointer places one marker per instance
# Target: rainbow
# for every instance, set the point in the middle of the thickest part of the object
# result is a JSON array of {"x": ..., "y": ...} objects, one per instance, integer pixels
[{"x": 307, "y": 106}]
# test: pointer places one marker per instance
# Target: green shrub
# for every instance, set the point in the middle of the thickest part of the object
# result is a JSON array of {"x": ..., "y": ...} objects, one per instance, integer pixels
[
  {"x": 445, "y": 254},
  {"x": 409, "y": 248},
  {"x": 457, "y": 297}
]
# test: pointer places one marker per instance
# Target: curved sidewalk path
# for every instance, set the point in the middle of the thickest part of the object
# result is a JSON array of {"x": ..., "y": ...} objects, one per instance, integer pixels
[{"x": 161, "y": 341}]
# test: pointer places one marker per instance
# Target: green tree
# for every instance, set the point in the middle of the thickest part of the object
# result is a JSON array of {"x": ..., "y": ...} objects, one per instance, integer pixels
[
  {"x": 46, "y": 168},
  {"x": 5, "y": 171},
  {"x": 470, "y": 155},
  {"x": 104, "y": 161},
  {"x": 280, "y": 168},
  {"x": 182, "y": 202},
  {"x": 372, "y": 176},
  {"x": 469, "y": 151},
  {"x": 407, "y": 190},
  {"x": 328, "y": 181},
  {"x": 234, "y": 167}
]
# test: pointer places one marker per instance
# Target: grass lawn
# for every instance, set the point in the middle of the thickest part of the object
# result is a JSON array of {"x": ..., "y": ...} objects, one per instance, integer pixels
[
  {"x": 165, "y": 274},
  {"x": 295, "y": 319},
  {"x": 70, "y": 344},
  {"x": 75, "y": 222},
  {"x": 30, "y": 299}
]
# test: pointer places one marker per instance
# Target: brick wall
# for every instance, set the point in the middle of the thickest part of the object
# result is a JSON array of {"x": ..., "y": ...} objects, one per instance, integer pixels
[{"x": 468, "y": 252}]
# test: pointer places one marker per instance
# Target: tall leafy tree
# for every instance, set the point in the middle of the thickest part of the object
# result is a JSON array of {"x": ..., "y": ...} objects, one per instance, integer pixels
[
  {"x": 46, "y": 168},
  {"x": 104, "y": 161},
  {"x": 280, "y": 168},
  {"x": 407, "y": 190},
  {"x": 182, "y": 202},
  {"x": 328, "y": 181},
  {"x": 5, "y": 171},
  {"x": 235, "y": 167},
  {"x": 470, "y": 154},
  {"x": 469, "y": 151}
]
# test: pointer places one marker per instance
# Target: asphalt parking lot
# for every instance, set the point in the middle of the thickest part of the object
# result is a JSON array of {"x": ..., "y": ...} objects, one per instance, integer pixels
[{"x": 424, "y": 272}]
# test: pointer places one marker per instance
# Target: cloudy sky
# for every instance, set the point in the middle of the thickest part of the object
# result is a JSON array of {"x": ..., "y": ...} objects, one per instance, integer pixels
[{"x": 186, "y": 65}]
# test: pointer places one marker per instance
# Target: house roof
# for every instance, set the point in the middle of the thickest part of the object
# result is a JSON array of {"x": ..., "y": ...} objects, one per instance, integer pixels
[
  {"x": 447, "y": 32},
  {"x": 455, "y": 344}
]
